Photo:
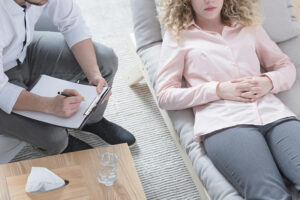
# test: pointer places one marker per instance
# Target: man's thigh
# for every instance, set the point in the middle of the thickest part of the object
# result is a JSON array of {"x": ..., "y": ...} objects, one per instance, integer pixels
[
  {"x": 51, "y": 139},
  {"x": 49, "y": 54},
  {"x": 243, "y": 157}
]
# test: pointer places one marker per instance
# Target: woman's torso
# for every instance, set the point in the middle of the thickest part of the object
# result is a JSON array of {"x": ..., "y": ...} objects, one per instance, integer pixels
[{"x": 223, "y": 57}]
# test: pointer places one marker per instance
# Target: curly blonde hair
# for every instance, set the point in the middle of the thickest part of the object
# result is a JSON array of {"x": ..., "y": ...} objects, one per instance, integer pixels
[{"x": 175, "y": 15}]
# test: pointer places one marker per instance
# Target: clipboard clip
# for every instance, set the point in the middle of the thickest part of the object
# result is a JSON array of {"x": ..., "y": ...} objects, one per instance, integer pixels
[
  {"x": 92, "y": 106},
  {"x": 96, "y": 101}
]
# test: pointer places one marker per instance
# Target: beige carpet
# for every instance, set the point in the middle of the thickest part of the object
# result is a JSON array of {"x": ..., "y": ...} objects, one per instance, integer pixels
[{"x": 158, "y": 162}]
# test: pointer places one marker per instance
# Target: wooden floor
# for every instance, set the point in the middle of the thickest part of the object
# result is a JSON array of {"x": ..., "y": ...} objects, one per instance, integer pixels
[{"x": 297, "y": 8}]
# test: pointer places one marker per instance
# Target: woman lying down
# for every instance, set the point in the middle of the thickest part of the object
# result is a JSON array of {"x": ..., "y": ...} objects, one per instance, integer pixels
[{"x": 217, "y": 48}]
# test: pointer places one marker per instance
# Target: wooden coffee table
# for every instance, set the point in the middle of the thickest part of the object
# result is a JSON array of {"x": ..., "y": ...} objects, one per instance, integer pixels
[{"x": 81, "y": 169}]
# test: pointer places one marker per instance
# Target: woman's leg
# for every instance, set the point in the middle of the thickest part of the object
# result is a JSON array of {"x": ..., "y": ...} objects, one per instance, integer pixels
[
  {"x": 242, "y": 155},
  {"x": 284, "y": 142}
]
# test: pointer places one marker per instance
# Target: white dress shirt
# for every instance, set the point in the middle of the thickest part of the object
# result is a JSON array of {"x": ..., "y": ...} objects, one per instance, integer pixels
[{"x": 65, "y": 14}]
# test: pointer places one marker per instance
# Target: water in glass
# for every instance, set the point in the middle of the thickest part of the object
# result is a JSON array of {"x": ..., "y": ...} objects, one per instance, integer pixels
[{"x": 109, "y": 168}]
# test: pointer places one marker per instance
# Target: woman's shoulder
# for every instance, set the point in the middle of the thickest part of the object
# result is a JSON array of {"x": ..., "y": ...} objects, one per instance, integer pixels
[
  {"x": 170, "y": 40},
  {"x": 251, "y": 28}
]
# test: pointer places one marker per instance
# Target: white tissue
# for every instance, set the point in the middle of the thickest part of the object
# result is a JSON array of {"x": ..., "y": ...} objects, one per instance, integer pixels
[{"x": 42, "y": 180}]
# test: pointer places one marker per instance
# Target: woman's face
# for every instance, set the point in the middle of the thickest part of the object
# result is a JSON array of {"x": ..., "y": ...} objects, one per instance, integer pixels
[{"x": 207, "y": 9}]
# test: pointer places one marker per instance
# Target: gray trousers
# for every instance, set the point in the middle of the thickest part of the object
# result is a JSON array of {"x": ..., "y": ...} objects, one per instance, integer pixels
[
  {"x": 254, "y": 158},
  {"x": 49, "y": 54}
]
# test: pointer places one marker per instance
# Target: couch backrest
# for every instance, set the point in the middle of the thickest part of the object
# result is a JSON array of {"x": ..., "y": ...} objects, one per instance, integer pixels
[
  {"x": 146, "y": 25},
  {"x": 280, "y": 21}
]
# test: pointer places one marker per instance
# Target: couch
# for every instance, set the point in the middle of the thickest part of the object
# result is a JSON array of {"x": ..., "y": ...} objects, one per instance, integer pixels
[{"x": 283, "y": 27}]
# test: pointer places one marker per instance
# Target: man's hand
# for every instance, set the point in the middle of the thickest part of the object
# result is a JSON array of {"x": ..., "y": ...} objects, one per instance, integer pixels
[
  {"x": 100, "y": 82},
  {"x": 66, "y": 106}
]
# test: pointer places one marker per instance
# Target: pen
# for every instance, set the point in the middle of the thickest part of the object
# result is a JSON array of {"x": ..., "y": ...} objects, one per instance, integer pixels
[
  {"x": 67, "y": 95},
  {"x": 64, "y": 94}
]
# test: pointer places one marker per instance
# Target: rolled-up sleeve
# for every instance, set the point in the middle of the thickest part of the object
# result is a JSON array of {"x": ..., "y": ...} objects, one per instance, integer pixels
[
  {"x": 9, "y": 92},
  {"x": 170, "y": 94},
  {"x": 66, "y": 15},
  {"x": 279, "y": 68}
]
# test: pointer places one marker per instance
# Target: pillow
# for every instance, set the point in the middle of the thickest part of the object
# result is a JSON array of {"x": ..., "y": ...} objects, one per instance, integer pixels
[
  {"x": 280, "y": 21},
  {"x": 146, "y": 25}
]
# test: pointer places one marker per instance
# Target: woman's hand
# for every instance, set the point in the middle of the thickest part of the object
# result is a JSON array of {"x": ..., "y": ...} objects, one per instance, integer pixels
[
  {"x": 259, "y": 86},
  {"x": 232, "y": 91},
  {"x": 65, "y": 106},
  {"x": 100, "y": 82}
]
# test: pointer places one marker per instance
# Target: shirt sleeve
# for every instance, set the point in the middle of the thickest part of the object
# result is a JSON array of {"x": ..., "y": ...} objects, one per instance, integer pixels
[
  {"x": 170, "y": 94},
  {"x": 279, "y": 68},
  {"x": 9, "y": 92},
  {"x": 66, "y": 15}
]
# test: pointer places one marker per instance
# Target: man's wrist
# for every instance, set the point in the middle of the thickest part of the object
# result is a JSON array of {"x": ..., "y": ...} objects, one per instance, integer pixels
[
  {"x": 92, "y": 71},
  {"x": 93, "y": 76},
  {"x": 47, "y": 105}
]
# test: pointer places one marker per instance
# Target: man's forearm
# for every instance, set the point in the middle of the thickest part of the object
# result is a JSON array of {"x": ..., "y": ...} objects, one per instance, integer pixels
[
  {"x": 32, "y": 102},
  {"x": 84, "y": 53}
]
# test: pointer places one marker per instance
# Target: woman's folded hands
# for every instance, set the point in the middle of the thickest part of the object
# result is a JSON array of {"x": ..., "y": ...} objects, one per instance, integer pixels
[{"x": 246, "y": 89}]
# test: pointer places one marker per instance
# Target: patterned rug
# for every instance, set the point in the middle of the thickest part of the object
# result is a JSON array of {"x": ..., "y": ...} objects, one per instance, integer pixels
[{"x": 158, "y": 162}]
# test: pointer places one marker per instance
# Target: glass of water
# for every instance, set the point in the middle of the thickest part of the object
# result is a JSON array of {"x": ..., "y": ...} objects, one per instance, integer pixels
[{"x": 109, "y": 165}]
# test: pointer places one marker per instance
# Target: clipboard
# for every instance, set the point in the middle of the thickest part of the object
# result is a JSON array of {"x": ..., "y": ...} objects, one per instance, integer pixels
[
  {"x": 48, "y": 86},
  {"x": 93, "y": 106}
]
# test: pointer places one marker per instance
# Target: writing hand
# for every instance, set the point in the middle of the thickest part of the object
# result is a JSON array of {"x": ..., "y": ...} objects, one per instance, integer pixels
[{"x": 66, "y": 106}]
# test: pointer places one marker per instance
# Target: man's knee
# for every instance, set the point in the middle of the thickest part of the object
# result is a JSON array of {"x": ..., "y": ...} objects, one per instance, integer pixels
[
  {"x": 107, "y": 60},
  {"x": 56, "y": 140}
]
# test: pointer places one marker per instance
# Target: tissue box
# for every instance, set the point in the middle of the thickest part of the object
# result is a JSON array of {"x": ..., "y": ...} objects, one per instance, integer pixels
[{"x": 76, "y": 189}]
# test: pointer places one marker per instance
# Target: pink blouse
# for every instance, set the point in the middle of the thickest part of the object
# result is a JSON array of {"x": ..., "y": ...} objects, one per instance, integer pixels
[{"x": 204, "y": 58}]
